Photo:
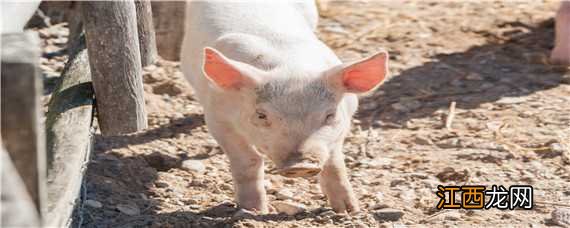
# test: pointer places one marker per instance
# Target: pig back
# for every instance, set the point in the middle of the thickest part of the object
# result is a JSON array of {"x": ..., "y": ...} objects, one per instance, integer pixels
[{"x": 211, "y": 23}]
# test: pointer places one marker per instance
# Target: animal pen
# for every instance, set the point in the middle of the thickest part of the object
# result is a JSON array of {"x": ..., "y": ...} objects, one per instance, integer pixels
[
  {"x": 110, "y": 42},
  {"x": 472, "y": 100}
]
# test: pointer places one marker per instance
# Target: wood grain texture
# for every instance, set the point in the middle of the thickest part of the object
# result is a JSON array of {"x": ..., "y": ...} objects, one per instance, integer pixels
[
  {"x": 22, "y": 130},
  {"x": 18, "y": 209},
  {"x": 169, "y": 19},
  {"x": 69, "y": 137},
  {"x": 112, "y": 41},
  {"x": 147, "y": 39}
]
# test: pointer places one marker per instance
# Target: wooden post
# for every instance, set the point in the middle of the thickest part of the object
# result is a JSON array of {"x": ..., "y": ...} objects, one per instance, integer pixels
[
  {"x": 18, "y": 209},
  {"x": 169, "y": 19},
  {"x": 147, "y": 39},
  {"x": 22, "y": 129},
  {"x": 115, "y": 61},
  {"x": 69, "y": 136},
  {"x": 75, "y": 25}
]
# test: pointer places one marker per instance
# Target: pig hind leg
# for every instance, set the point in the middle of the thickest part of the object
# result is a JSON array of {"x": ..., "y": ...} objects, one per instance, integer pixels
[{"x": 246, "y": 166}]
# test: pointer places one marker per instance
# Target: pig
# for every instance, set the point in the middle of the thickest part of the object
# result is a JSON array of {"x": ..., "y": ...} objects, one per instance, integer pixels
[
  {"x": 560, "y": 54},
  {"x": 270, "y": 87}
]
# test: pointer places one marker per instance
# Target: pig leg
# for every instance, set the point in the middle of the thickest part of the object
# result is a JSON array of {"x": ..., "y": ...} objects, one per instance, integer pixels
[
  {"x": 335, "y": 185},
  {"x": 561, "y": 53},
  {"x": 246, "y": 166}
]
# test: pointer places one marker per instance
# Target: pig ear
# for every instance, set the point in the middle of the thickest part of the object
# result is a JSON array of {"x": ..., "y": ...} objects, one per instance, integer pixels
[
  {"x": 225, "y": 73},
  {"x": 365, "y": 75}
]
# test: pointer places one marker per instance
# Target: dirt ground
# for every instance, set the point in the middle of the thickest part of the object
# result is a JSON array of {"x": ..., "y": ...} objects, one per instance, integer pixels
[{"x": 511, "y": 127}]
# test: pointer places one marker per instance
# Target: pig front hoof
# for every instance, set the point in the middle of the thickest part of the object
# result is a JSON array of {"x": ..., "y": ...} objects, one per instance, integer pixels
[
  {"x": 560, "y": 57},
  {"x": 300, "y": 170},
  {"x": 346, "y": 205},
  {"x": 255, "y": 207}
]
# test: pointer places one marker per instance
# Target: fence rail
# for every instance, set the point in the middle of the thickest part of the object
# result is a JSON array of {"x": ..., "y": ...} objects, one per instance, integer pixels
[{"x": 102, "y": 81}]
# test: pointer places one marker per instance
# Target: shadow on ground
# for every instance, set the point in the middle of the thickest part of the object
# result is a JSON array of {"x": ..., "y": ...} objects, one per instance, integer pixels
[
  {"x": 182, "y": 125},
  {"x": 133, "y": 178},
  {"x": 502, "y": 68}
]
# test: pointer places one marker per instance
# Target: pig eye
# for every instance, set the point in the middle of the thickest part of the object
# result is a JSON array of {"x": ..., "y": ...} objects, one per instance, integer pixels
[
  {"x": 331, "y": 118},
  {"x": 261, "y": 115},
  {"x": 260, "y": 119}
]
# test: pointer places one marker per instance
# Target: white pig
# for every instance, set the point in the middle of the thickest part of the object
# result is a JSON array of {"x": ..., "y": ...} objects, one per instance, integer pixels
[{"x": 270, "y": 87}]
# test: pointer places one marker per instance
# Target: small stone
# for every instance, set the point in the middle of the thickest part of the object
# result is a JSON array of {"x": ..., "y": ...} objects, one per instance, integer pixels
[
  {"x": 321, "y": 219},
  {"x": 170, "y": 88},
  {"x": 359, "y": 224},
  {"x": 474, "y": 77},
  {"x": 430, "y": 183},
  {"x": 380, "y": 163},
  {"x": 284, "y": 194},
  {"x": 494, "y": 125},
  {"x": 93, "y": 203},
  {"x": 151, "y": 77},
  {"x": 565, "y": 79},
  {"x": 198, "y": 183},
  {"x": 210, "y": 142},
  {"x": 449, "y": 174},
  {"x": 561, "y": 216},
  {"x": 267, "y": 184},
  {"x": 417, "y": 175},
  {"x": 195, "y": 166},
  {"x": 335, "y": 28},
  {"x": 328, "y": 214},
  {"x": 150, "y": 68},
  {"x": 397, "y": 182},
  {"x": 486, "y": 85},
  {"x": 420, "y": 140},
  {"x": 557, "y": 148},
  {"x": 511, "y": 100},
  {"x": 243, "y": 213},
  {"x": 128, "y": 209},
  {"x": 379, "y": 196},
  {"x": 457, "y": 83},
  {"x": 288, "y": 208},
  {"x": 162, "y": 161},
  {"x": 449, "y": 143},
  {"x": 225, "y": 187},
  {"x": 380, "y": 206},
  {"x": 536, "y": 58},
  {"x": 452, "y": 216},
  {"x": 160, "y": 184},
  {"x": 388, "y": 214},
  {"x": 190, "y": 201},
  {"x": 178, "y": 115},
  {"x": 406, "y": 105}
]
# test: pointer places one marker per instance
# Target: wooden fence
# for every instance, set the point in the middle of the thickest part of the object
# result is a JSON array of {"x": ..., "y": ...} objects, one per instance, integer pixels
[{"x": 43, "y": 164}]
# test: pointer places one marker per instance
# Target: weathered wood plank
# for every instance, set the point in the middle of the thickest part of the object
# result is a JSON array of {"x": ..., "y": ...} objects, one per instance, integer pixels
[
  {"x": 22, "y": 130},
  {"x": 168, "y": 19},
  {"x": 75, "y": 25},
  {"x": 147, "y": 39},
  {"x": 18, "y": 209},
  {"x": 112, "y": 41},
  {"x": 69, "y": 137}
]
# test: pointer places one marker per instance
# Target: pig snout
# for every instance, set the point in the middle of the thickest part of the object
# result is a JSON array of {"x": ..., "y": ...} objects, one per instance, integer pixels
[
  {"x": 300, "y": 169},
  {"x": 305, "y": 163}
]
